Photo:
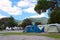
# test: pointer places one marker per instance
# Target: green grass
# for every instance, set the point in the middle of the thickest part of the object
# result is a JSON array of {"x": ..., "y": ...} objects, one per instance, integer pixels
[{"x": 52, "y": 35}]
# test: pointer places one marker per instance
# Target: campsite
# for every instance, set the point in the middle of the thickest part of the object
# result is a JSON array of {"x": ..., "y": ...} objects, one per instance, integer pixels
[
  {"x": 32, "y": 32},
  {"x": 17, "y": 35},
  {"x": 29, "y": 19}
]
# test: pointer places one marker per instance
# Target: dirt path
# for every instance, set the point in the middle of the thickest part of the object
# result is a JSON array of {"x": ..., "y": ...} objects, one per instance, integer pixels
[{"x": 24, "y": 37}]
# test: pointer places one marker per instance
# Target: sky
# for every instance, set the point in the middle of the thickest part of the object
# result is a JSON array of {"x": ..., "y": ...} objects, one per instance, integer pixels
[{"x": 19, "y": 9}]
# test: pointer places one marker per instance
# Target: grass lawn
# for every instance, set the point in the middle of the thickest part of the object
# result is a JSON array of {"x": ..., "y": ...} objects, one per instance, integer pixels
[{"x": 53, "y": 35}]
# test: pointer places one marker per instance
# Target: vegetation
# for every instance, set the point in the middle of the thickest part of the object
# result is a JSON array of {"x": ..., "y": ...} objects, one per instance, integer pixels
[
  {"x": 3, "y": 23},
  {"x": 44, "y": 5},
  {"x": 37, "y": 23},
  {"x": 52, "y": 35},
  {"x": 2, "y": 27},
  {"x": 26, "y": 22},
  {"x": 9, "y": 21},
  {"x": 55, "y": 16}
]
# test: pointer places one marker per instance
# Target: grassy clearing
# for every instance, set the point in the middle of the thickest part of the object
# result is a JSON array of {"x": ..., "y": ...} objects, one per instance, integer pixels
[{"x": 52, "y": 35}]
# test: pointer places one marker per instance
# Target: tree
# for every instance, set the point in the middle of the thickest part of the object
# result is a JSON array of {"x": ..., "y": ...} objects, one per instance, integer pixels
[
  {"x": 46, "y": 4},
  {"x": 37, "y": 23},
  {"x": 2, "y": 27},
  {"x": 12, "y": 22},
  {"x": 8, "y": 21},
  {"x": 43, "y": 5},
  {"x": 54, "y": 5},
  {"x": 55, "y": 16},
  {"x": 3, "y": 23},
  {"x": 26, "y": 22}
]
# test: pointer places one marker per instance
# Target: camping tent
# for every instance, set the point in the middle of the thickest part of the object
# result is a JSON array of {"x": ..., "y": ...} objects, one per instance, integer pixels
[
  {"x": 33, "y": 28},
  {"x": 52, "y": 28}
]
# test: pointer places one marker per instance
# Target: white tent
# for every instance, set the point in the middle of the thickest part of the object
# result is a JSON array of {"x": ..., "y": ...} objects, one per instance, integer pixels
[{"x": 52, "y": 28}]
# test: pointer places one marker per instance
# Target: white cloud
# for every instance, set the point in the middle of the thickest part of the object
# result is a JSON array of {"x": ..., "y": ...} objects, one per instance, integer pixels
[
  {"x": 30, "y": 10},
  {"x": 31, "y": 0},
  {"x": 5, "y": 5},
  {"x": 27, "y": 3},
  {"x": 23, "y": 4},
  {"x": 44, "y": 14},
  {"x": 1, "y": 16},
  {"x": 14, "y": 11}
]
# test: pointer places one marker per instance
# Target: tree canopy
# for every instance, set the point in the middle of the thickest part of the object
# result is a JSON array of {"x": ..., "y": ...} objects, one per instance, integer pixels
[
  {"x": 55, "y": 16},
  {"x": 12, "y": 22},
  {"x": 8, "y": 21},
  {"x": 43, "y": 5},
  {"x": 26, "y": 22},
  {"x": 46, "y": 4}
]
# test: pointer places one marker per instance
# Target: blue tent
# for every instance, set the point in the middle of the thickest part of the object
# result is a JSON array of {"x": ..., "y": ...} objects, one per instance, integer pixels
[{"x": 33, "y": 28}]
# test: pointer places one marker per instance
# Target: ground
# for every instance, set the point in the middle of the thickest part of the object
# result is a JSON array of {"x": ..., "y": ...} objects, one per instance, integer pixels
[
  {"x": 24, "y": 37},
  {"x": 19, "y": 35}
]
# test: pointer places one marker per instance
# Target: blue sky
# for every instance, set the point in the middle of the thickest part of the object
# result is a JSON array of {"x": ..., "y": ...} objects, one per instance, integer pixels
[{"x": 19, "y": 9}]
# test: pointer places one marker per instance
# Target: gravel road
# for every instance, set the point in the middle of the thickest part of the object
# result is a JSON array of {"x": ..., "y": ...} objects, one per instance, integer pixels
[{"x": 24, "y": 37}]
